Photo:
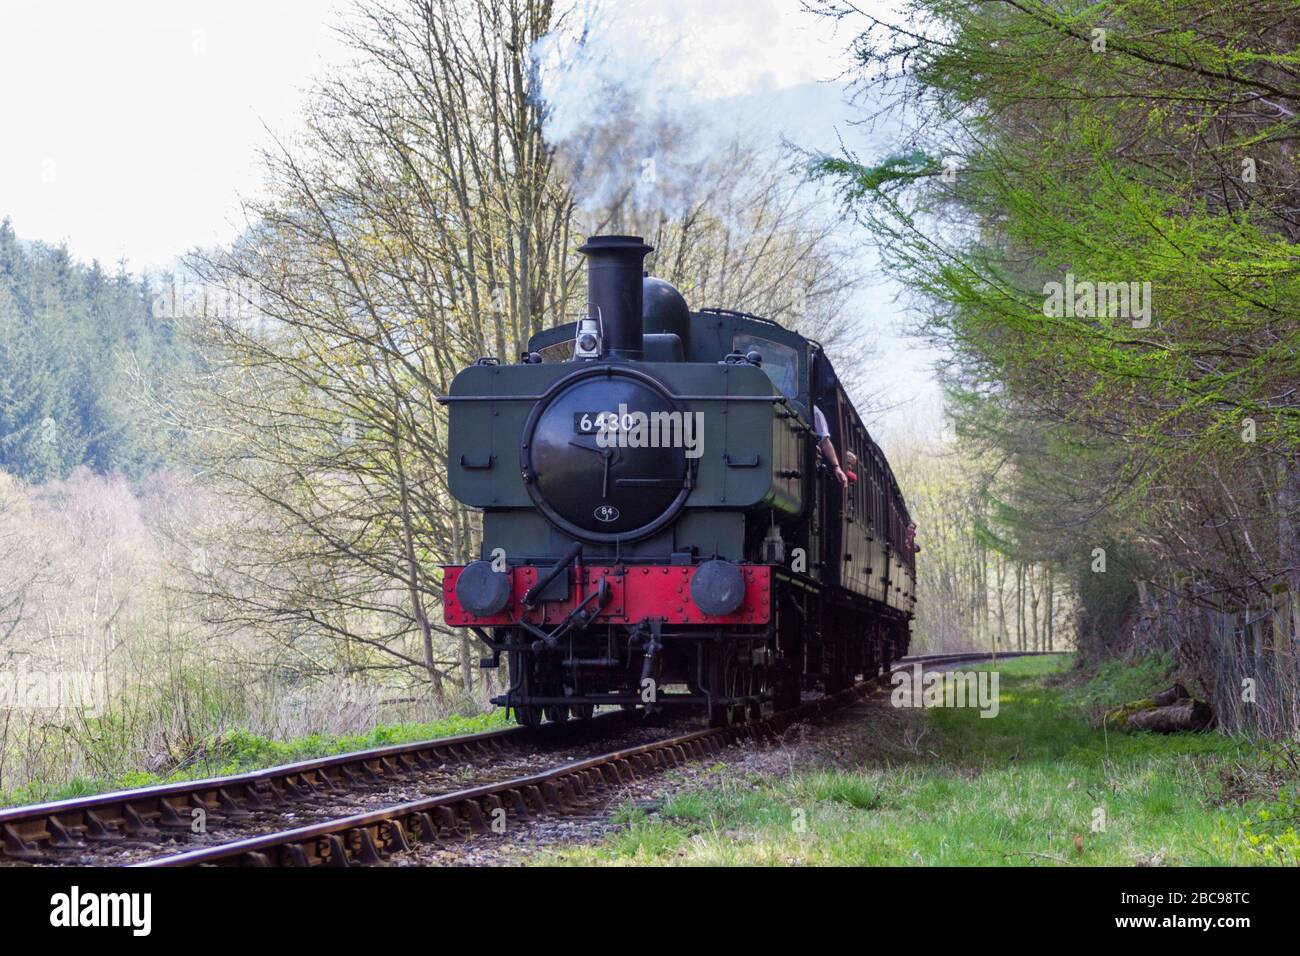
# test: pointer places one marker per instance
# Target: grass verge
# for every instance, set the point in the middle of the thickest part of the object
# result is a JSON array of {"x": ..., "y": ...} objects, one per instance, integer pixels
[
  {"x": 1035, "y": 785},
  {"x": 240, "y": 752}
]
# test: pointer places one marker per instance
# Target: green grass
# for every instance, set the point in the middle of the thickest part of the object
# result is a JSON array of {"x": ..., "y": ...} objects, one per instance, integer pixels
[
  {"x": 239, "y": 752},
  {"x": 1022, "y": 788},
  {"x": 1118, "y": 681}
]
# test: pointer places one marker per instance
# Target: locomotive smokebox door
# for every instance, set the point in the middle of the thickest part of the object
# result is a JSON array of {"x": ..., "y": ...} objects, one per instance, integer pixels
[{"x": 594, "y": 465}]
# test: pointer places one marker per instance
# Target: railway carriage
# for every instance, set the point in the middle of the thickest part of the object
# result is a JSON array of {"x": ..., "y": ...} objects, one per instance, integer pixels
[{"x": 659, "y": 528}]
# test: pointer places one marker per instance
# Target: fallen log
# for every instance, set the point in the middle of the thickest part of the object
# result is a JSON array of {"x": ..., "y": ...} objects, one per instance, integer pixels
[
  {"x": 1186, "y": 715},
  {"x": 1171, "y": 696},
  {"x": 1171, "y": 711}
]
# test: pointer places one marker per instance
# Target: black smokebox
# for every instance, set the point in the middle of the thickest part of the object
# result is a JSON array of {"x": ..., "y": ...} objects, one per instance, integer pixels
[{"x": 614, "y": 265}]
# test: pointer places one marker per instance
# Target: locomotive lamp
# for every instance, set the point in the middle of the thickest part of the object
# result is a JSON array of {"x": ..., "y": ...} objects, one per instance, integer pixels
[{"x": 587, "y": 343}]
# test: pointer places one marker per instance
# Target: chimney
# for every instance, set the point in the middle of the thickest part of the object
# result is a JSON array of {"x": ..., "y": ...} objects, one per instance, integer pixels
[{"x": 614, "y": 265}]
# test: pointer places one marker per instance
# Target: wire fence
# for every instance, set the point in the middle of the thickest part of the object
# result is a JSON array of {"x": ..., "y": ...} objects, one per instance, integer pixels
[{"x": 1246, "y": 659}]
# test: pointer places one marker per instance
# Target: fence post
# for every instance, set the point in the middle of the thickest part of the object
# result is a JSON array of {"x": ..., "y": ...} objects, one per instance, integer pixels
[
  {"x": 1281, "y": 617},
  {"x": 1283, "y": 637},
  {"x": 1257, "y": 638}
]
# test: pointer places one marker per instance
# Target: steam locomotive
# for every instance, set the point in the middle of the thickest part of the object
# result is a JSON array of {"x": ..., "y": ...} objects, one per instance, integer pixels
[{"x": 660, "y": 529}]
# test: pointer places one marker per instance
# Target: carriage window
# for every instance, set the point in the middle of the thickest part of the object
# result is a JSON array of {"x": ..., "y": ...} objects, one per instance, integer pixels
[{"x": 780, "y": 362}]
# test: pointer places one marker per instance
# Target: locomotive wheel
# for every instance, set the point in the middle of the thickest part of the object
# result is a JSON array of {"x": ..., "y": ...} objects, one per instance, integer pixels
[
  {"x": 583, "y": 711},
  {"x": 726, "y": 682},
  {"x": 837, "y": 677},
  {"x": 526, "y": 715},
  {"x": 788, "y": 686},
  {"x": 760, "y": 689},
  {"x": 557, "y": 713},
  {"x": 722, "y": 715}
]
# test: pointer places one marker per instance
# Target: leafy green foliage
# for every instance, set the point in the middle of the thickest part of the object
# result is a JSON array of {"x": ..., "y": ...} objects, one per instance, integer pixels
[
  {"x": 1271, "y": 831},
  {"x": 1097, "y": 216},
  {"x": 1113, "y": 682}
]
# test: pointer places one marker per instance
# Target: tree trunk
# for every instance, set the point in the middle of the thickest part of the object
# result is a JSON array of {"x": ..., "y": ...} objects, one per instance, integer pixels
[
  {"x": 1020, "y": 606},
  {"x": 1034, "y": 598},
  {"x": 1002, "y": 603}
]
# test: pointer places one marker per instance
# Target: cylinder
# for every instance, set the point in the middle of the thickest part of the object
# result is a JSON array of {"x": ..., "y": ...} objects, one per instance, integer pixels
[{"x": 614, "y": 265}]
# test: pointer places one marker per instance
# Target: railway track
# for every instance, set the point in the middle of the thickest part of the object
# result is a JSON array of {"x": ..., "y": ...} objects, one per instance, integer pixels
[
  {"x": 359, "y": 808},
  {"x": 127, "y": 826}
]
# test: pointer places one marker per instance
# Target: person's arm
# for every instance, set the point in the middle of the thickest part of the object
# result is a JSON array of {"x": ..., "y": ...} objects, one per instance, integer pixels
[
  {"x": 833, "y": 460},
  {"x": 823, "y": 432}
]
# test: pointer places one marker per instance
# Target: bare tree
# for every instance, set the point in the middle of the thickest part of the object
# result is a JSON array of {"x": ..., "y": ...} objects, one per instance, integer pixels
[
  {"x": 422, "y": 220},
  {"x": 20, "y": 565},
  {"x": 415, "y": 225}
]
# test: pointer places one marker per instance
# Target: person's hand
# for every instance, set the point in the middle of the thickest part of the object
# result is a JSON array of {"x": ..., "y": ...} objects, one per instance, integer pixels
[{"x": 842, "y": 478}]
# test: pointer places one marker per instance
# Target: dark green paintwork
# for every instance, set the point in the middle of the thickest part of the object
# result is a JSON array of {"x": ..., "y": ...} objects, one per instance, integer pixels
[
  {"x": 730, "y": 506},
  {"x": 491, "y": 431}
]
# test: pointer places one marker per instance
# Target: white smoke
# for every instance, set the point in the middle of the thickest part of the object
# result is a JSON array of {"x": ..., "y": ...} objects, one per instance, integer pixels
[{"x": 638, "y": 94}]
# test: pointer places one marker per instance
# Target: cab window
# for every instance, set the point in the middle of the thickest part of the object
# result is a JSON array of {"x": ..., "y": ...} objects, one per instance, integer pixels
[
  {"x": 780, "y": 362},
  {"x": 561, "y": 351}
]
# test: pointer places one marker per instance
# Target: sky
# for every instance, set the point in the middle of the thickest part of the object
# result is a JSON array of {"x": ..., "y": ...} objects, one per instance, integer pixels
[{"x": 131, "y": 130}]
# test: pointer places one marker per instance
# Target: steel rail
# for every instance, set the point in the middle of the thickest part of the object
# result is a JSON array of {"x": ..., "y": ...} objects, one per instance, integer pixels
[
  {"x": 366, "y": 838},
  {"x": 143, "y": 812}
]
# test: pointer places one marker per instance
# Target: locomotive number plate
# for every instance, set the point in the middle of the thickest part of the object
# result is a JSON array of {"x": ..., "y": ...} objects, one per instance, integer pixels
[{"x": 593, "y": 423}]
